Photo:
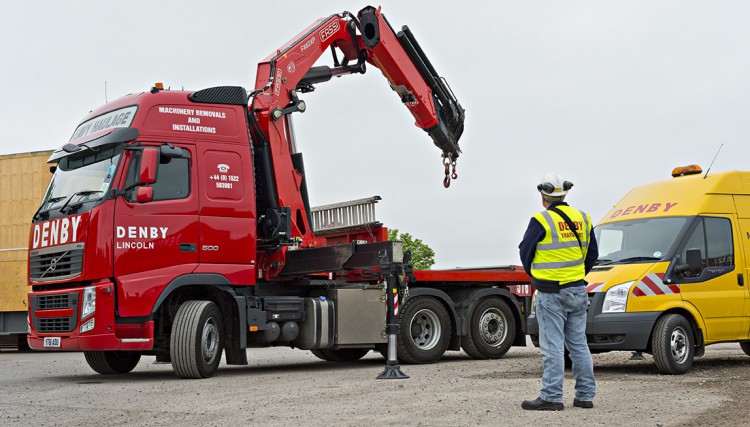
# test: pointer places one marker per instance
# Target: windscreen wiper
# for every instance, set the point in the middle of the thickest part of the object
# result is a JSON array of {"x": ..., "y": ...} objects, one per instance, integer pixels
[
  {"x": 603, "y": 261},
  {"x": 637, "y": 258},
  {"x": 51, "y": 201},
  {"x": 79, "y": 203}
]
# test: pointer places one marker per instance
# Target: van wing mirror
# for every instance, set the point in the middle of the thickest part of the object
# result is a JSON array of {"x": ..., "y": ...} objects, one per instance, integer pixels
[
  {"x": 694, "y": 260},
  {"x": 693, "y": 264},
  {"x": 149, "y": 163}
]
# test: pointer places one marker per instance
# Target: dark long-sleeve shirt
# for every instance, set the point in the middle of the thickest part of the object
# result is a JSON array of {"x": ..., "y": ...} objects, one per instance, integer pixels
[{"x": 535, "y": 233}]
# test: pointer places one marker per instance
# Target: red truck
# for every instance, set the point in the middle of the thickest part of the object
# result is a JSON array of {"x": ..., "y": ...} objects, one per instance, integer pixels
[{"x": 177, "y": 224}]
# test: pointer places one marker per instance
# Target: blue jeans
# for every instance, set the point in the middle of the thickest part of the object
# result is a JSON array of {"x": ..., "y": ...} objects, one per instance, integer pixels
[{"x": 562, "y": 323}]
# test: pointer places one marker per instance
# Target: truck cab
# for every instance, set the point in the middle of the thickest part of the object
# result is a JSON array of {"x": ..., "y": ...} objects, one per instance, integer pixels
[
  {"x": 672, "y": 272},
  {"x": 151, "y": 187}
]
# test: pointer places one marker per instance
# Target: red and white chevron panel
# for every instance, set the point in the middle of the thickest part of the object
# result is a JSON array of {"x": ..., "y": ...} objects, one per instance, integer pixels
[
  {"x": 595, "y": 287},
  {"x": 652, "y": 285}
]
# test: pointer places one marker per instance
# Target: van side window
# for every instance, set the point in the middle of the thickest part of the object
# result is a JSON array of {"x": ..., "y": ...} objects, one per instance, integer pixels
[
  {"x": 713, "y": 236},
  {"x": 172, "y": 178}
]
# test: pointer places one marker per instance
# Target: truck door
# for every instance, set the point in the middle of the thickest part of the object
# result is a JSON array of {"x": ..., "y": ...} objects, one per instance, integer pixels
[
  {"x": 717, "y": 292},
  {"x": 156, "y": 241},
  {"x": 227, "y": 211}
]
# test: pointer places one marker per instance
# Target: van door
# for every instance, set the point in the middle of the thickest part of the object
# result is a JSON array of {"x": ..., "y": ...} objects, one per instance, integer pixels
[
  {"x": 745, "y": 243},
  {"x": 717, "y": 292},
  {"x": 155, "y": 241}
]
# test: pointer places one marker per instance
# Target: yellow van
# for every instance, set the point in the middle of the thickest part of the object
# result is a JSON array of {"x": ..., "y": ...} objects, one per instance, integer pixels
[{"x": 671, "y": 277}]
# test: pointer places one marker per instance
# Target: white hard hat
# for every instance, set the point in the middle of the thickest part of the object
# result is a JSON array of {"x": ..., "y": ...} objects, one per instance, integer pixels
[{"x": 554, "y": 185}]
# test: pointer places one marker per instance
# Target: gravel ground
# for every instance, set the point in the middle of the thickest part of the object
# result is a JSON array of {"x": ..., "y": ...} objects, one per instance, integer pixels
[{"x": 283, "y": 387}]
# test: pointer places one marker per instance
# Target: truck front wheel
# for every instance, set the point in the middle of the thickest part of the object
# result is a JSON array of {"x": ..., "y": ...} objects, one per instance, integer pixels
[
  {"x": 425, "y": 331},
  {"x": 197, "y": 339},
  {"x": 672, "y": 344},
  {"x": 112, "y": 362},
  {"x": 492, "y": 330},
  {"x": 745, "y": 346}
]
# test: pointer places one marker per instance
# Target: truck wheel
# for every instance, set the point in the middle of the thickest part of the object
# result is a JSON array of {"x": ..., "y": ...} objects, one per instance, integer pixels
[
  {"x": 672, "y": 344},
  {"x": 112, "y": 362},
  {"x": 745, "y": 346},
  {"x": 341, "y": 355},
  {"x": 492, "y": 330},
  {"x": 425, "y": 331},
  {"x": 197, "y": 339}
]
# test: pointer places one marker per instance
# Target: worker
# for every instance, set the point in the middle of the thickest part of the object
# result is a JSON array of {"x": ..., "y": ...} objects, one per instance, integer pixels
[{"x": 557, "y": 251}]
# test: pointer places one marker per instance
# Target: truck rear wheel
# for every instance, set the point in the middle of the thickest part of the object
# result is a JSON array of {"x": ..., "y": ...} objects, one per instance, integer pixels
[
  {"x": 425, "y": 331},
  {"x": 492, "y": 330},
  {"x": 197, "y": 339},
  {"x": 745, "y": 346},
  {"x": 341, "y": 355},
  {"x": 672, "y": 344},
  {"x": 112, "y": 362}
]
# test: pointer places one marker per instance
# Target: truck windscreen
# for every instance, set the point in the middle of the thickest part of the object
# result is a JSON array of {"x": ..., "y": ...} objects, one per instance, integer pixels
[
  {"x": 81, "y": 178},
  {"x": 639, "y": 240}
]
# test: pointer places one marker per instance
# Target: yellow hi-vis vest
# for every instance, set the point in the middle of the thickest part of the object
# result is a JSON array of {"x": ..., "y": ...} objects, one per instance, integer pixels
[{"x": 558, "y": 257}]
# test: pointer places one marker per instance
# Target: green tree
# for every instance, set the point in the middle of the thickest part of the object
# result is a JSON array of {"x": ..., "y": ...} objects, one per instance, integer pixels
[{"x": 422, "y": 257}]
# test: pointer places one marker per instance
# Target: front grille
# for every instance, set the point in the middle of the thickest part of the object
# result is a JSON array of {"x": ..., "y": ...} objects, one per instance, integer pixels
[
  {"x": 61, "y": 262},
  {"x": 48, "y": 302},
  {"x": 40, "y": 303},
  {"x": 59, "y": 324}
]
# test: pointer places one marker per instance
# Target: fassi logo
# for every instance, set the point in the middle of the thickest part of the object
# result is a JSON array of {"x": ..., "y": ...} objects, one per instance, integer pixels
[
  {"x": 56, "y": 232},
  {"x": 329, "y": 30}
]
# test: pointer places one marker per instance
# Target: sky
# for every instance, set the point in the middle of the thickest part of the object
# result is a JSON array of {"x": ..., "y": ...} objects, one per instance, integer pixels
[{"x": 609, "y": 94}]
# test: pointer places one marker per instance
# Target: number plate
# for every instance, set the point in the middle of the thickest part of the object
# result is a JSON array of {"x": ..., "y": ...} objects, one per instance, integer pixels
[{"x": 52, "y": 342}]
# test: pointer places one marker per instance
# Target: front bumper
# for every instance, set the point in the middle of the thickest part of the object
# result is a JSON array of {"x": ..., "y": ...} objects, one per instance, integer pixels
[
  {"x": 57, "y": 314},
  {"x": 609, "y": 331}
]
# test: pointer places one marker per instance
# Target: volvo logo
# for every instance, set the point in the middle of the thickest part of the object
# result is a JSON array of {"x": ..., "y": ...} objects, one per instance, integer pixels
[{"x": 53, "y": 264}]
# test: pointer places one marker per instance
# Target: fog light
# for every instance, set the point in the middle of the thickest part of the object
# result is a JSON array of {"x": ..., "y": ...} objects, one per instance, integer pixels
[{"x": 87, "y": 326}]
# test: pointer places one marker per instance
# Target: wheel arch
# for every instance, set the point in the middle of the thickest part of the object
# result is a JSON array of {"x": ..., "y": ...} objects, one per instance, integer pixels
[
  {"x": 209, "y": 287},
  {"x": 697, "y": 330},
  {"x": 468, "y": 298},
  {"x": 448, "y": 303}
]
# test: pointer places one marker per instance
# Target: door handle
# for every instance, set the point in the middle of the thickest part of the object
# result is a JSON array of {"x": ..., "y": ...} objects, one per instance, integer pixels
[
  {"x": 740, "y": 279},
  {"x": 187, "y": 247}
]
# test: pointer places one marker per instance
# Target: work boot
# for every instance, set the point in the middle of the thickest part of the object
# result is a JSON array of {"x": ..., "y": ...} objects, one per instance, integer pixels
[
  {"x": 586, "y": 404},
  {"x": 540, "y": 404}
]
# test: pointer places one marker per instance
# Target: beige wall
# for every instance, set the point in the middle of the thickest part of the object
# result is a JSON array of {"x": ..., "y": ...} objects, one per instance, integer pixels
[{"x": 23, "y": 180}]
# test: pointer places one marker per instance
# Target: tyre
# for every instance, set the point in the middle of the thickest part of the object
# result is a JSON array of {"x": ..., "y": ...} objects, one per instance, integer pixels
[
  {"x": 672, "y": 344},
  {"x": 425, "y": 331},
  {"x": 745, "y": 346},
  {"x": 197, "y": 339},
  {"x": 112, "y": 362},
  {"x": 492, "y": 330},
  {"x": 341, "y": 355}
]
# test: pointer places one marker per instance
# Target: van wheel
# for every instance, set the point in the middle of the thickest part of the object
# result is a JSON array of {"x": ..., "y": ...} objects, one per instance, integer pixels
[
  {"x": 341, "y": 355},
  {"x": 672, "y": 344},
  {"x": 745, "y": 346},
  {"x": 492, "y": 330},
  {"x": 112, "y": 362},
  {"x": 425, "y": 331},
  {"x": 197, "y": 339}
]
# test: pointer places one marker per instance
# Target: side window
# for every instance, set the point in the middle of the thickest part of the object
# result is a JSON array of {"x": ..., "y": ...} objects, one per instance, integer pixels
[
  {"x": 172, "y": 177},
  {"x": 720, "y": 246},
  {"x": 713, "y": 236}
]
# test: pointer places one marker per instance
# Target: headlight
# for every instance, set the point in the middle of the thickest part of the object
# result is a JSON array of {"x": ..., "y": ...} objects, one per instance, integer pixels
[
  {"x": 616, "y": 298},
  {"x": 89, "y": 302},
  {"x": 533, "y": 305}
]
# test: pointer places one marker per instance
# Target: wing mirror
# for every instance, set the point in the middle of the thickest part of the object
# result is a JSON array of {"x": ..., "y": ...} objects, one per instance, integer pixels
[
  {"x": 694, "y": 262},
  {"x": 149, "y": 163},
  {"x": 144, "y": 194}
]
